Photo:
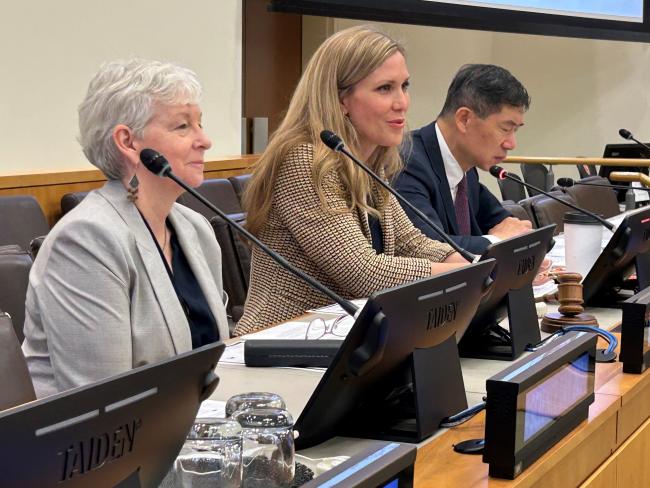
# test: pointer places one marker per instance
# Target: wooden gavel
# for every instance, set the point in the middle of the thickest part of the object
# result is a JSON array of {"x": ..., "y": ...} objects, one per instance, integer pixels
[{"x": 571, "y": 311}]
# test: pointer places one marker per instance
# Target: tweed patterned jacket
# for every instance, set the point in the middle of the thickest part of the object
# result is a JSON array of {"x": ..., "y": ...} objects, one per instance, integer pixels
[{"x": 334, "y": 247}]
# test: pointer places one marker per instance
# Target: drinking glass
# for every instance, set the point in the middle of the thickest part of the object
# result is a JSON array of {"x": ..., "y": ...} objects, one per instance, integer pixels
[
  {"x": 211, "y": 455},
  {"x": 268, "y": 447},
  {"x": 254, "y": 399}
]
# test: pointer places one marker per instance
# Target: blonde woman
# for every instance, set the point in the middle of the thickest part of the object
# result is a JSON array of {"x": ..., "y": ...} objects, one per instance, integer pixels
[{"x": 317, "y": 208}]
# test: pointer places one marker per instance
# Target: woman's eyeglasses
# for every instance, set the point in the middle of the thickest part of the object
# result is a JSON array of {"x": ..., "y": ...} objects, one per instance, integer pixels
[{"x": 319, "y": 327}]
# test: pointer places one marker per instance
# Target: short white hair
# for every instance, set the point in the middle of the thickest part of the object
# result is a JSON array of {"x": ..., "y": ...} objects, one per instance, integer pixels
[{"x": 124, "y": 92}]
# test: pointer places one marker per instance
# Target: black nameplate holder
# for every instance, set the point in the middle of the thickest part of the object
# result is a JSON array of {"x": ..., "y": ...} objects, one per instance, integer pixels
[
  {"x": 538, "y": 400},
  {"x": 518, "y": 261},
  {"x": 635, "y": 333}
]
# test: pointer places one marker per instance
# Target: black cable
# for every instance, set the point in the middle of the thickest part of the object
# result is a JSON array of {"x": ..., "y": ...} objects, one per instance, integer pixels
[
  {"x": 462, "y": 417},
  {"x": 501, "y": 333}
]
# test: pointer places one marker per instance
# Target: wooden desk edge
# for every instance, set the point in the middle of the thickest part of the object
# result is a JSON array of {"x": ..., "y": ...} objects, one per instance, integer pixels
[
  {"x": 438, "y": 465},
  {"x": 626, "y": 385}
]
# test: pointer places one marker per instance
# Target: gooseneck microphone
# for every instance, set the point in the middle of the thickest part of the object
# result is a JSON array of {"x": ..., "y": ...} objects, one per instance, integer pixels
[
  {"x": 626, "y": 134},
  {"x": 569, "y": 182},
  {"x": 157, "y": 164},
  {"x": 500, "y": 173},
  {"x": 335, "y": 143}
]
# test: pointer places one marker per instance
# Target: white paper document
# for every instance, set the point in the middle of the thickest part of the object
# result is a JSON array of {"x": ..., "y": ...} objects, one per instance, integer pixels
[
  {"x": 544, "y": 289},
  {"x": 298, "y": 330},
  {"x": 639, "y": 195},
  {"x": 336, "y": 309},
  {"x": 288, "y": 330},
  {"x": 234, "y": 354},
  {"x": 212, "y": 409}
]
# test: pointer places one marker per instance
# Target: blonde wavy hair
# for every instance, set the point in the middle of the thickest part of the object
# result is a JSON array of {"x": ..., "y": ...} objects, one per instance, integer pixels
[{"x": 340, "y": 62}]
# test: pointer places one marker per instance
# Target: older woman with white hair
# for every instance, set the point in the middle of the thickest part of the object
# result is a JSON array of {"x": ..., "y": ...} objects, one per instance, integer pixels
[{"x": 128, "y": 277}]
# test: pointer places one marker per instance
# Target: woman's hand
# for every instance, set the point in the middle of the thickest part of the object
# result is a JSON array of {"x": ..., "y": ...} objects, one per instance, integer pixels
[
  {"x": 453, "y": 261},
  {"x": 455, "y": 258}
]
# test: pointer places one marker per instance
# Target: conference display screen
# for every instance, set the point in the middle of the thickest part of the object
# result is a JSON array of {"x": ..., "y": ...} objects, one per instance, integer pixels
[
  {"x": 627, "y": 10},
  {"x": 627, "y": 20},
  {"x": 545, "y": 402}
]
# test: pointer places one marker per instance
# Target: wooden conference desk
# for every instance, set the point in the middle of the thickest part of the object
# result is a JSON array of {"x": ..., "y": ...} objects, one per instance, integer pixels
[{"x": 610, "y": 449}]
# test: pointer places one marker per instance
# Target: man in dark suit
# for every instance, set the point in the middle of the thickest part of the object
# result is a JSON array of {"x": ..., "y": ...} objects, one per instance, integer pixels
[{"x": 485, "y": 106}]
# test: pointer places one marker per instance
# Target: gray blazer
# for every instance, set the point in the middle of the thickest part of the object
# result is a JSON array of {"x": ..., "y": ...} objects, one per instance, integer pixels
[{"x": 100, "y": 301}]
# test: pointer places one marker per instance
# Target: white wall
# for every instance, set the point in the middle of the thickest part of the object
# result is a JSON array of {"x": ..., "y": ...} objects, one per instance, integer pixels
[
  {"x": 50, "y": 50},
  {"x": 582, "y": 90}
]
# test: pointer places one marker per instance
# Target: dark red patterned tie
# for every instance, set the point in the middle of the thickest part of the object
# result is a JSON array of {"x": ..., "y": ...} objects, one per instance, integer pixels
[{"x": 461, "y": 205}]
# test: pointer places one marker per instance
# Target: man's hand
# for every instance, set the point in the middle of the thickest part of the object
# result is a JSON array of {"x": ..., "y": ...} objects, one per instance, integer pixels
[{"x": 510, "y": 227}]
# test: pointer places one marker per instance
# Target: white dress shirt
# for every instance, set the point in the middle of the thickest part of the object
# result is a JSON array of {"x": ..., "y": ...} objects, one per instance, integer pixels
[{"x": 454, "y": 172}]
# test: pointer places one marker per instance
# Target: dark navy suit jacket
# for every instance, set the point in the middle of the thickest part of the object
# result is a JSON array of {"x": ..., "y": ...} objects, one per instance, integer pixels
[{"x": 423, "y": 182}]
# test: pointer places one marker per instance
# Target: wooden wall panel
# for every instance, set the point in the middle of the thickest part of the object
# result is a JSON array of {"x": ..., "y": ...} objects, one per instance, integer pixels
[
  {"x": 632, "y": 460},
  {"x": 577, "y": 464},
  {"x": 48, "y": 188},
  {"x": 628, "y": 467},
  {"x": 272, "y": 61},
  {"x": 634, "y": 391},
  {"x": 604, "y": 477},
  {"x": 635, "y": 410}
]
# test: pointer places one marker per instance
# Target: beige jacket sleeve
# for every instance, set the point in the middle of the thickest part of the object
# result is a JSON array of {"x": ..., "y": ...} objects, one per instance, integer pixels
[
  {"x": 410, "y": 241},
  {"x": 334, "y": 238}
]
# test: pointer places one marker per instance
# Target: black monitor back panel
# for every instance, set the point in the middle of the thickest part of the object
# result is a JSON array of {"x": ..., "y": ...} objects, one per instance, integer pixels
[
  {"x": 124, "y": 431},
  {"x": 511, "y": 296},
  {"x": 628, "y": 248},
  {"x": 403, "y": 340}
]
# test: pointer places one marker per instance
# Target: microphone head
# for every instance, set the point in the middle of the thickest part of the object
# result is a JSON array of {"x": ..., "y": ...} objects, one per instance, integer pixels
[
  {"x": 625, "y": 134},
  {"x": 498, "y": 172},
  {"x": 331, "y": 140},
  {"x": 565, "y": 182},
  {"x": 155, "y": 162}
]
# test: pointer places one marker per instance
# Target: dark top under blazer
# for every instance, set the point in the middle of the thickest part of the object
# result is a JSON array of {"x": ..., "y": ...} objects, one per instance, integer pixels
[
  {"x": 423, "y": 182},
  {"x": 99, "y": 300}
]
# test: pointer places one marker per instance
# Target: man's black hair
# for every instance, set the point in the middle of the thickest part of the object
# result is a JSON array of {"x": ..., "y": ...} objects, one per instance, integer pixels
[{"x": 485, "y": 89}]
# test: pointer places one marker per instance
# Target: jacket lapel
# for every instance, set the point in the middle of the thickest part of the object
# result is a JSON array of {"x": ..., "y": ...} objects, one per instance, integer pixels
[
  {"x": 386, "y": 219},
  {"x": 188, "y": 240},
  {"x": 177, "y": 325},
  {"x": 432, "y": 148},
  {"x": 365, "y": 225}
]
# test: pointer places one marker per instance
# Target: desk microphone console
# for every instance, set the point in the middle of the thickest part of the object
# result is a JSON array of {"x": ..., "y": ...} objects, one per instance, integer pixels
[{"x": 537, "y": 401}]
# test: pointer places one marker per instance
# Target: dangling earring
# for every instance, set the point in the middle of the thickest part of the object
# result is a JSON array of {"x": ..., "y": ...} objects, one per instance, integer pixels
[{"x": 132, "y": 190}]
